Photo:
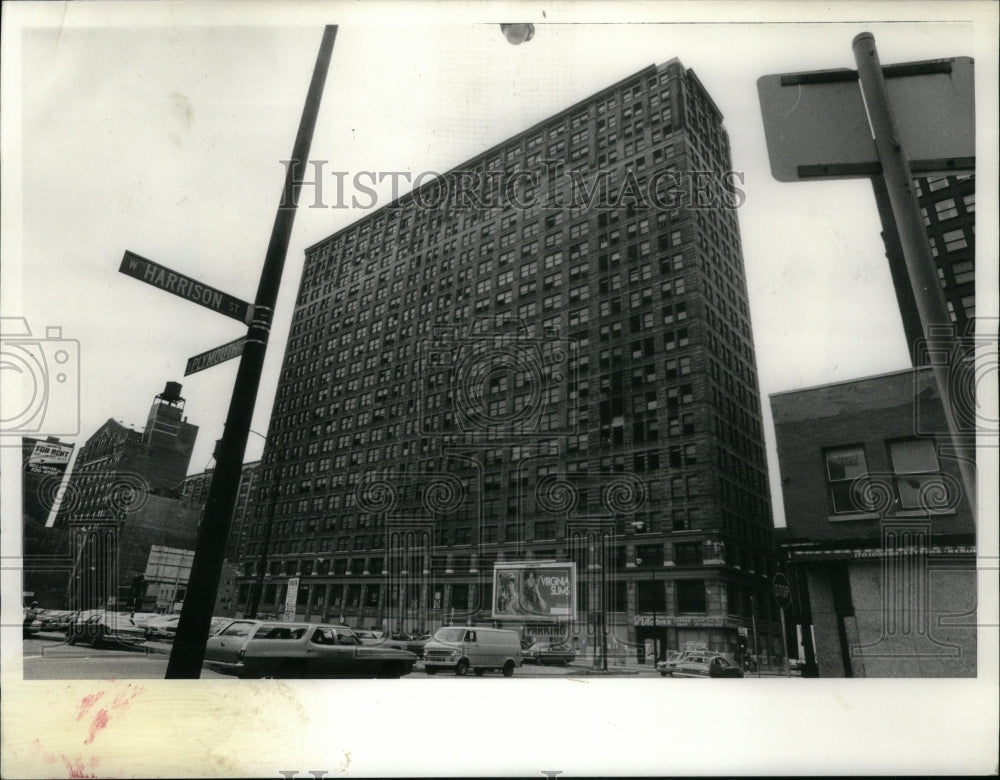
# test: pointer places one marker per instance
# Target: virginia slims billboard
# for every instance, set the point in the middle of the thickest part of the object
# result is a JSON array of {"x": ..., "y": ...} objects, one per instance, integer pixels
[{"x": 534, "y": 590}]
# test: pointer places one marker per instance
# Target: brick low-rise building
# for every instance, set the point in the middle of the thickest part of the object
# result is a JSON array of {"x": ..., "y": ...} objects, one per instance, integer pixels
[{"x": 881, "y": 538}]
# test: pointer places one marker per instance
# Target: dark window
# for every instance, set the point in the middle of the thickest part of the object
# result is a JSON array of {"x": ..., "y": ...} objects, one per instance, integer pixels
[
  {"x": 687, "y": 554},
  {"x": 460, "y": 596},
  {"x": 846, "y": 474},
  {"x": 918, "y": 479},
  {"x": 691, "y": 597}
]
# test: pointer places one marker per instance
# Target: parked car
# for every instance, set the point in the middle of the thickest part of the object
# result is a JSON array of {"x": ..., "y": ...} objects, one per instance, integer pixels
[
  {"x": 554, "y": 653},
  {"x": 399, "y": 640},
  {"x": 461, "y": 648},
  {"x": 55, "y": 619},
  {"x": 405, "y": 641},
  {"x": 163, "y": 628},
  {"x": 706, "y": 665},
  {"x": 667, "y": 665},
  {"x": 253, "y": 648},
  {"x": 31, "y": 622},
  {"x": 104, "y": 626},
  {"x": 367, "y": 637}
]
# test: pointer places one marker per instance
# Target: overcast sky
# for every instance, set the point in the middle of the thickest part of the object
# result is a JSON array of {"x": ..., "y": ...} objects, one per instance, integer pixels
[
  {"x": 163, "y": 134},
  {"x": 159, "y": 128}
]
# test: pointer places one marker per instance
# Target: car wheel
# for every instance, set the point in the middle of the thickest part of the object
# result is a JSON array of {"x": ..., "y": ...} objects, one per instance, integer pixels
[
  {"x": 508, "y": 669},
  {"x": 462, "y": 668},
  {"x": 98, "y": 637},
  {"x": 479, "y": 672},
  {"x": 391, "y": 671}
]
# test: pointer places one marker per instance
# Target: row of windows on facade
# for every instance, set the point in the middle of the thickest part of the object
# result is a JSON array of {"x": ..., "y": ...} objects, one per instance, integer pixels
[
  {"x": 450, "y": 258},
  {"x": 378, "y": 388},
  {"x": 916, "y": 479},
  {"x": 383, "y": 305},
  {"x": 688, "y": 597},
  {"x": 645, "y": 558},
  {"x": 387, "y": 227},
  {"x": 689, "y": 518},
  {"x": 596, "y": 109},
  {"x": 372, "y": 291},
  {"x": 638, "y": 299},
  {"x": 681, "y": 455}
]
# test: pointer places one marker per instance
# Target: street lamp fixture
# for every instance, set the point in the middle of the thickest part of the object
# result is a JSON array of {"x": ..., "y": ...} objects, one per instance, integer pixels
[{"x": 516, "y": 34}]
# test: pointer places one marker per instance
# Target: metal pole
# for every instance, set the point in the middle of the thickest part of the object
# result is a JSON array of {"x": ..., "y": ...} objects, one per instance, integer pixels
[
  {"x": 784, "y": 643},
  {"x": 656, "y": 630},
  {"x": 898, "y": 180},
  {"x": 268, "y": 526},
  {"x": 604, "y": 605},
  {"x": 188, "y": 651},
  {"x": 753, "y": 619}
]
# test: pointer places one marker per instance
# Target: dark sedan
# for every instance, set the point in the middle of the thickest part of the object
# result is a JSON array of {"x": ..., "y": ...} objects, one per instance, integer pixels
[{"x": 552, "y": 653}]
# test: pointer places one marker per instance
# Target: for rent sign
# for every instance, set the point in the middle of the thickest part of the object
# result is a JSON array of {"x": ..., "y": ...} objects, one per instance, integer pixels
[{"x": 534, "y": 590}]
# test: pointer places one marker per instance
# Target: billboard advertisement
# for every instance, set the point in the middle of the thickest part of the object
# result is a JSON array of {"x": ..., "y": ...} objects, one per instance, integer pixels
[{"x": 536, "y": 591}]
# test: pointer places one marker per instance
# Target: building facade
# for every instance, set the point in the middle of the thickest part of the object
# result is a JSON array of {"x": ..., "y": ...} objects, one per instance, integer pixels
[
  {"x": 123, "y": 497},
  {"x": 545, "y": 354},
  {"x": 45, "y": 549},
  {"x": 194, "y": 490},
  {"x": 948, "y": 207},
  {"x": 881, "y": 536}
]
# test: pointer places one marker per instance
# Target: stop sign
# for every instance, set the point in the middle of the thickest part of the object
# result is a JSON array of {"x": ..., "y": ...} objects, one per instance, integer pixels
[{"x": 782, "y": 590}]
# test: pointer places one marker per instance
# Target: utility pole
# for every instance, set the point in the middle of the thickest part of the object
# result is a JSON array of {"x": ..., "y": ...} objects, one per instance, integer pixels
[{"x": 188, "y": 651}]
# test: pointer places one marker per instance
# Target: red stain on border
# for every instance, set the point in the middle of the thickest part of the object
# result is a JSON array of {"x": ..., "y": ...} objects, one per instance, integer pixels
[
  {"x": 75, "y": 768},
  {"x": 99, "y": 722},
  {"x": 87, "y": 702}
]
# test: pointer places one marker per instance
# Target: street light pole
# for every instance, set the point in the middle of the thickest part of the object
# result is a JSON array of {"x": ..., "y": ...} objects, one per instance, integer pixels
[
  {"x": 268, "y": 527},
  {"x": 188, "y": 651}
]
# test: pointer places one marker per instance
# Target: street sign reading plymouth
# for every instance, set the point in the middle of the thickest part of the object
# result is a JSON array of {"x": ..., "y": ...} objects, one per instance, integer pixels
[{"x": 534, "y": 590}]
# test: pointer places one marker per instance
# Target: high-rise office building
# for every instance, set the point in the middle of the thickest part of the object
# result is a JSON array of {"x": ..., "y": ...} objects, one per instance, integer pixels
[{"x": 543, "y": 355}]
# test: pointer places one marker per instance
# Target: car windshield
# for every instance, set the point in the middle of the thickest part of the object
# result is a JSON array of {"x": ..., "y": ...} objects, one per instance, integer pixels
[{"x": 449, "y": 634}]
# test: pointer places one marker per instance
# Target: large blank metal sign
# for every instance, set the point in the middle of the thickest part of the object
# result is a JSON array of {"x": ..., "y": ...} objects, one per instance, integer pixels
[{"x": 816, "y": 125}]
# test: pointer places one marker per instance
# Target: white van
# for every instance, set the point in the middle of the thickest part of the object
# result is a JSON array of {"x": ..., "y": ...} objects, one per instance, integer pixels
[{"x": 462, "y": 648}]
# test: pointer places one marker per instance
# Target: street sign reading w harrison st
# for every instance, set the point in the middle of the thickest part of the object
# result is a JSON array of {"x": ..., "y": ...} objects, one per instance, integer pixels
[{"x": 159, "y": 276}]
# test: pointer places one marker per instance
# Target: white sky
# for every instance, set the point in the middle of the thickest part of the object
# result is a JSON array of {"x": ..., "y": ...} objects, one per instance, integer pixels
[
  {"x": 158, "y": 127},
  {"x": 166, "y": 140}
]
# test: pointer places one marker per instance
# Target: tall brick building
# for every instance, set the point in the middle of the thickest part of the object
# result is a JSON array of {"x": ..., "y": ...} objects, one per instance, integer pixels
[
  {"x": 194, "y": 490},
  {"x": 545, "y": 354},
  {"x": 948, "y": 207}
]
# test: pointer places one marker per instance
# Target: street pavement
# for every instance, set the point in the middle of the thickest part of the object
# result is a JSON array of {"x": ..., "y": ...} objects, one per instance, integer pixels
[{"x": 47, "y": 656}]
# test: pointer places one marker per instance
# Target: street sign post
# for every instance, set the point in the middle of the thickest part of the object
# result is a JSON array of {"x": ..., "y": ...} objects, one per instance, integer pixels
[
  {"x": 816, "y": 125},
  {"x": 921, "y": 118},
  {"x": 215, "y": 356},
  {"x": 783, "y": 596},
  {"x": 291, "y": 599},
  {"x": 782, "y": 590},
  {"x": 163, "y": 278}
]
